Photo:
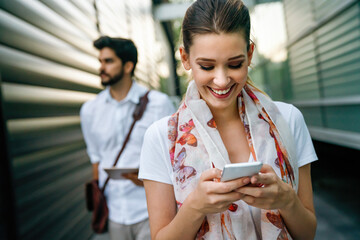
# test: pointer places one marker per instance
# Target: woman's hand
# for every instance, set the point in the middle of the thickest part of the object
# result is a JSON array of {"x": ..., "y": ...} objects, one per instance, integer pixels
[
  {"x": 268, "y": 191},
  {"x": 213, "y": 196}
]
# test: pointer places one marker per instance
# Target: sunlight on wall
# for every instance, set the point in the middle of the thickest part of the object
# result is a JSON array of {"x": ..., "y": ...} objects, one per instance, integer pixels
[{"x": 268, "y": 30}]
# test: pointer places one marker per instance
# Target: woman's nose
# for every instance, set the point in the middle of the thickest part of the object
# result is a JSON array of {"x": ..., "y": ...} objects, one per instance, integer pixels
[{"x": 221, "y": 79}]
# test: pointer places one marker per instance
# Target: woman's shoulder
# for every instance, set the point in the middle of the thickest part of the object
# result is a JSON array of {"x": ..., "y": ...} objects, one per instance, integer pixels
[
  {"x": 289, "y": 112},
  {"x": 294, "y": 118},
  {"x": 159, "y": 127}
]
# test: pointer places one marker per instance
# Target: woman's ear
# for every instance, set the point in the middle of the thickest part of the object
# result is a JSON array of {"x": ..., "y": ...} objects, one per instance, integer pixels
[
  {"x": 250, "y": 53},
  {"x": 184, "y": 58},
  {"x": 128, "y": 67}
]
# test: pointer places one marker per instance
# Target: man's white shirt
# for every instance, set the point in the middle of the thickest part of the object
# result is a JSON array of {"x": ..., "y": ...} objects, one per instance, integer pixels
[{"x": 105, "y": 123}]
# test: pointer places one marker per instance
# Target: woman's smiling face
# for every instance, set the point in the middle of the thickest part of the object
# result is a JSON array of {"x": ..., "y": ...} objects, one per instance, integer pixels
[{"x": 219, "y": 64}]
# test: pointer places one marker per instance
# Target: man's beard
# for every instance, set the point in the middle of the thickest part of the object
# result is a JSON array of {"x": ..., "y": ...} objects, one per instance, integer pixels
[{"x": 112, "y": 80}]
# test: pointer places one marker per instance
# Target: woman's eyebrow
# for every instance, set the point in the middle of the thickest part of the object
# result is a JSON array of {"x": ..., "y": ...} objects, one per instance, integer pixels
[
  {"x": 205, "y": 59},
  {"x": 236, "y": 57},
  {"x": 212, "y": 60}
]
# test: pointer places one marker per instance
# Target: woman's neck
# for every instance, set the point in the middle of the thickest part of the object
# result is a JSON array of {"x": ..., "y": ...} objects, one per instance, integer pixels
[{"x": 226, "y": 114}]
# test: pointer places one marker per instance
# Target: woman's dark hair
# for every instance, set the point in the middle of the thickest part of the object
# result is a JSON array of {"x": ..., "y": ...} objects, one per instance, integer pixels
[
  {"x": 125, "y": 49},
  {"x": 215, "y": 16}
]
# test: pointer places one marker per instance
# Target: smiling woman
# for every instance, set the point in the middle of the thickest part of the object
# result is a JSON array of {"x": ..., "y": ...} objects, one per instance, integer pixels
[
  {"x": 224, "y": 119},
  {"x": 220, "y": 74}
]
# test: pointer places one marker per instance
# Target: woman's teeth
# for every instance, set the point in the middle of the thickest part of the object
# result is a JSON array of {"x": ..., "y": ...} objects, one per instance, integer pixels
[{"x": 221, "y": 92}]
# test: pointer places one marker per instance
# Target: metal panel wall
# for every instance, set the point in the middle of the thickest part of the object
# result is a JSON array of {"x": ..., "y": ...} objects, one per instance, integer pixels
[
  {"x": 48, "y": 70},
  {"x": 304, "y": 77},
  {"x": 324, "y": 60},
  {"x": 298, "y": 17}
]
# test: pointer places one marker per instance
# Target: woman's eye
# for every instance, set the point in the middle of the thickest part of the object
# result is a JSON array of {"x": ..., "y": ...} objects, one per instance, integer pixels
[
  {"x": 206, "y": 68},
  {"x": 236, "y": 66}
]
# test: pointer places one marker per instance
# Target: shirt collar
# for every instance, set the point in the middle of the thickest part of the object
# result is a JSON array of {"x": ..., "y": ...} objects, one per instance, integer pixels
[{"x": 134, "y": 94}]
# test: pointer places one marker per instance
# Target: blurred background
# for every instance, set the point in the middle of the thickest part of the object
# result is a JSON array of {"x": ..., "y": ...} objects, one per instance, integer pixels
[{"x": 307, "y": 54}]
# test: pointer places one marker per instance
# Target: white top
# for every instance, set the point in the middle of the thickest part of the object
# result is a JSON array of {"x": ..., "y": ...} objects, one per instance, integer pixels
[
  {"x": 155, "y": 161},
  {"x": 105, "y": 123}
]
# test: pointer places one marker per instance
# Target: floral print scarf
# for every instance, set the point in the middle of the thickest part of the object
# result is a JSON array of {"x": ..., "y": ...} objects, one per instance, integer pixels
[{"x": 196, "y": 145}]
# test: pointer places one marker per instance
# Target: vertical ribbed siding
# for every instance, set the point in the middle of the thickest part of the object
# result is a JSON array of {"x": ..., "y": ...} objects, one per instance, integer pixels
[
  {"x": 46, "y": 76},
  {"x": 324, "y": 57},
  {"x": 322, "y": 8},
  {"x": 323, "y": 78},
  {"x": 339, "y": 61},
  {"x": 339, "y": 54},
  {"x": 298, "y": 15},
  {"x": 302, "y": 61},
  {"x": 48, "y": 70}
]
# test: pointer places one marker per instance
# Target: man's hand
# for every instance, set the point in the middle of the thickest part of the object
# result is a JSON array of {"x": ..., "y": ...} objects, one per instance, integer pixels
[
  {"x": 95, "y": 168},
  {"x": 134, "y": 178}
]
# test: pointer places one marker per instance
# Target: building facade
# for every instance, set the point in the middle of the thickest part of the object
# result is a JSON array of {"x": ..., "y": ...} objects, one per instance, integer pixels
[{"x": 49, "y": 68}]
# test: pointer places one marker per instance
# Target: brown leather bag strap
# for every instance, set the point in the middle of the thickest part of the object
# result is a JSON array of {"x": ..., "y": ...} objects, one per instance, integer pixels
[{"x": 139, "y": 111}]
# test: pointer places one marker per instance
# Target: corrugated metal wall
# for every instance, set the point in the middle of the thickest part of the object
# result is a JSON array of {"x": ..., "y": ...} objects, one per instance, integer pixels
[
  {"x": 48, "y": 69},
  {"x": 324, "y": 66}
]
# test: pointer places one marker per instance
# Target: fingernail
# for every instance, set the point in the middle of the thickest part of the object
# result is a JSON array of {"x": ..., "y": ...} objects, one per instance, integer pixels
[{"x": 246, "y": 180}]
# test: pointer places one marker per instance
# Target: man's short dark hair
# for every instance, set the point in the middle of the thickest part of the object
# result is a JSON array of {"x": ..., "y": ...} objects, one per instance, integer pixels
[{"x": 124, "y": 48}]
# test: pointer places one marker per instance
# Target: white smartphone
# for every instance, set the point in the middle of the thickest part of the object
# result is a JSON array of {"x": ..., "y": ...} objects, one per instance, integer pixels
[{"x": 238, "y": 170}]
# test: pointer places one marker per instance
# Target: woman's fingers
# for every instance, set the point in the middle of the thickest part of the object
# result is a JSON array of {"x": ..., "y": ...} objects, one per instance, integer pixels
[
  {"x": 263, "y": 190},
  {"x": 215, "y": 196},
  {"x": 213, "y": 185},
  {"x": 263, "y": 179},
  {"x": 210, "y": 174},
  {"x": 266, "y": 176},
  {"x": 230, "y": 197},
  {"x": 266, "y": 190},
  {"x": 221, "y": 202},
  {"x": 230, "y": 186}
]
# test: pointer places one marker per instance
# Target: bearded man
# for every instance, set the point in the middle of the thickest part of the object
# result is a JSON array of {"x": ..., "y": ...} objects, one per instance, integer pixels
[{"x": 105, "y": 122}]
